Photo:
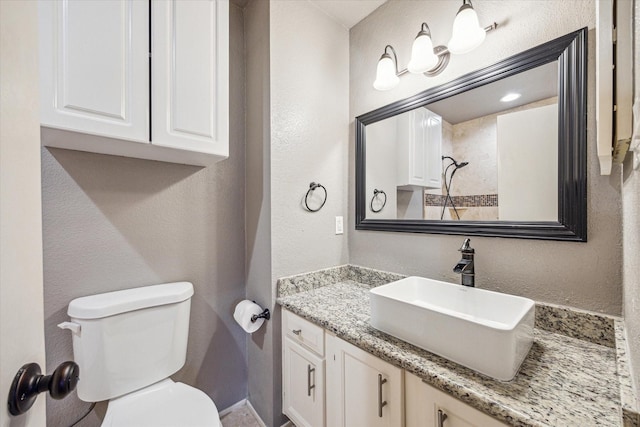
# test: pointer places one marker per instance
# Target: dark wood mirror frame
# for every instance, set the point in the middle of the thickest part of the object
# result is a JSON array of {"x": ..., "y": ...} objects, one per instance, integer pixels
[{"x": 571, "y": 53}]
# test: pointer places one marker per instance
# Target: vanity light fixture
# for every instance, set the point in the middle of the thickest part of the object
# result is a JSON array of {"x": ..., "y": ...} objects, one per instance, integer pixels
[
  {"x": 467, "y": 34},
  {"x": 423, "y": 57},
  {"x": 510, "y": 97}
]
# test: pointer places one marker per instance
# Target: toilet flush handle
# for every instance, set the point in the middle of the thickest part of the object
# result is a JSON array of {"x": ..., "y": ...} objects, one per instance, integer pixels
[{"x": 73, "y": 327}]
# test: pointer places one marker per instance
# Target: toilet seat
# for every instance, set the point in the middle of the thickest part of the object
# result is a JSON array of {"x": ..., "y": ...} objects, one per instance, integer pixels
[{"x": 163, "y": 404}]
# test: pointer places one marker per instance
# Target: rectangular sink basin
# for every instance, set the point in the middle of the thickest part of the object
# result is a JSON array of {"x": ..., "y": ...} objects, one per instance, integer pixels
[{"x": 489, "y": 332}]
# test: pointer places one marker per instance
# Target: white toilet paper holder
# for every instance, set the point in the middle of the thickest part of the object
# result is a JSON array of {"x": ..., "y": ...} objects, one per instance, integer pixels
[{"x": 266, "y": 315}]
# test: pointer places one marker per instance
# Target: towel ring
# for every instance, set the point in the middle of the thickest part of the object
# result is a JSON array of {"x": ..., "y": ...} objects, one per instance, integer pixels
[
  {"x": 377, "y": 192},
  {"x": 312, "y": 187}
]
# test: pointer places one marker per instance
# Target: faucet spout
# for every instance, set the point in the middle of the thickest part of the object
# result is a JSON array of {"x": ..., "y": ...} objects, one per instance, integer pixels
[{"x": 462, "y": 266}]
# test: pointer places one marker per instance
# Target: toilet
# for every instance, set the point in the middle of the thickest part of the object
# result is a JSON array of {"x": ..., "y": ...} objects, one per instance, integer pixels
[{"x": 127, "y": 344}]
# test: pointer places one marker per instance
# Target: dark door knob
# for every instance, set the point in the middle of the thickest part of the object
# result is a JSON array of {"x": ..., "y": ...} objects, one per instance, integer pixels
[{"x": 29, "y": 382}]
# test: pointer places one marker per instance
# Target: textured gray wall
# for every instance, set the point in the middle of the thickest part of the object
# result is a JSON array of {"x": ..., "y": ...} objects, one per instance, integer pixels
[
  {"x": 113, "y": 223},
  {"x": 631, "y": 221},
  {"x": 297, "y": 126},
  {"x": 583, "y": 275},
  {"x": 309, "y": 136},
  {"x": 263, "y": 366}
]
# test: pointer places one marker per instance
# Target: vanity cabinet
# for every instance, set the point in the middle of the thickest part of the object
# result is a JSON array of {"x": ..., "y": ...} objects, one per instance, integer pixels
[
  {"x": 330, "y": 382},
  {"x": 136, "y": 78},
  {"x": 426, "y": 406},
  {"x": 362, "y": 389},
  {"x": 303, "y": 371},
  {"x": 419, "y": 155}
]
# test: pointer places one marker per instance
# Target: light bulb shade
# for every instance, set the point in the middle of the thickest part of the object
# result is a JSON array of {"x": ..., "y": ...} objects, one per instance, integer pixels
[
  {"x": 386, "y": 77},
  {"x": 422, "y": 56},
  {"x": 467, "y": 34}
]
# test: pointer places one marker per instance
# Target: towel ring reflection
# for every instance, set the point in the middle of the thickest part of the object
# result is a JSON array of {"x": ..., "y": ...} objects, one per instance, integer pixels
[
  {"x": 376, "y": 193},
  {"x": 312, "y": 187}
]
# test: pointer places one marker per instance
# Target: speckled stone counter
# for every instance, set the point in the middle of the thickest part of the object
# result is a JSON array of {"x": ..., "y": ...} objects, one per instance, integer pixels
[{"x": 570, "y": 377}]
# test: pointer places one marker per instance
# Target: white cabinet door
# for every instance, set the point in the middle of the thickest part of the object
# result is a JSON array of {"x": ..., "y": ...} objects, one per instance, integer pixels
[
  {"x": 427, "y": 406},
  {"x": 363, "y": 390},
  {"x": 433, "y": 174},
  {"x": 190, "y": 75},
  {"x": 419, "y": 137},
  {"x": 94, "y": 67},
  {"x": 303, "y": 388}
]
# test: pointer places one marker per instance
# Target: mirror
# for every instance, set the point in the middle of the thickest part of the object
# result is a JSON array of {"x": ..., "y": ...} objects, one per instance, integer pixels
[{"x": 462, "y": 158}]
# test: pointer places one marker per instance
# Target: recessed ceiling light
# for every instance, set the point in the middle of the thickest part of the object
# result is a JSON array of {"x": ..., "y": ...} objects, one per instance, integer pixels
[{"x": 510, "y": 97}]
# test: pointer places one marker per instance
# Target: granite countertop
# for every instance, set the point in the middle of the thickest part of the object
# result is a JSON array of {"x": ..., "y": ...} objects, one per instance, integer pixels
[{"x": 569, "y": 378}]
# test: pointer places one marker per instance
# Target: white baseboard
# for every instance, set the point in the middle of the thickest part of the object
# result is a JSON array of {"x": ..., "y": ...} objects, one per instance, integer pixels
[
  {"x": 251, "y": 409},
  {"x": 232, "y": 408},
  {"x": 255, "y": 414}
]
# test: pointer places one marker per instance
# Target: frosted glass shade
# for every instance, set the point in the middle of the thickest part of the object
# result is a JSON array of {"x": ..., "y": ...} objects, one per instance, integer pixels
[
  {"x": 422, "y": 56},
  {"x": 386, "y": 77},
  {"x": 467, "y": 33}
]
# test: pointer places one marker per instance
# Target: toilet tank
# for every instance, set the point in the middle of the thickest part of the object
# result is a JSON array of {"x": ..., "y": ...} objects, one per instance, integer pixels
[{"x": 126, "y": 340}]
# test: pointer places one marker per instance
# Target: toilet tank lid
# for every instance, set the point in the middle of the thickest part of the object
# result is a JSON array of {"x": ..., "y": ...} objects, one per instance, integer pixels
[{"x": 111, "y": 303}]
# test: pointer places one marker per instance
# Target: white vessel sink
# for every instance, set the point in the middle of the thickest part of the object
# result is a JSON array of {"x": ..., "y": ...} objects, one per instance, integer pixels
[{"x": 486, "y": 331}]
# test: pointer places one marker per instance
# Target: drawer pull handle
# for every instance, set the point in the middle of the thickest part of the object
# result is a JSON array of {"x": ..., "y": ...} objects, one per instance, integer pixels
[
  {"x": 297, "y": 331},
  {"x": 381, "y": 404},
  {"x": 441, "y": 418},
  {"x": 310, "y": 371}
]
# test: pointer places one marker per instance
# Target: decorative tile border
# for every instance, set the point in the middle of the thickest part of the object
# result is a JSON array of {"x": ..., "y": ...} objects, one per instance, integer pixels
[
  {"x": 628, "y": 396},
  {"x": 478, "y": 200}
]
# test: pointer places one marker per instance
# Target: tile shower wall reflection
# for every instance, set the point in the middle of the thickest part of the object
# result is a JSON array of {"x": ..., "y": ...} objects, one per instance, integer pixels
[{"x": 475, "y": 188}]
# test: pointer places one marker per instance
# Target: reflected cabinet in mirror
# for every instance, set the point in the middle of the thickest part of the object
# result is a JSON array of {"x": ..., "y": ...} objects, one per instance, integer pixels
[{"x": 497, "y": 152}]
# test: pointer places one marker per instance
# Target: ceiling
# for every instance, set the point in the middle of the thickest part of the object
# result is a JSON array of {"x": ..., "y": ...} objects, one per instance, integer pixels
[
  {"x": 348, "y": 12},
  {"x": 533, "y": 85}
]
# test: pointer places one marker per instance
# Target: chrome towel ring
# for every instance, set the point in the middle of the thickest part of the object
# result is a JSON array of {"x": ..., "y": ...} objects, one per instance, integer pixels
[
  {"x": 376, "y": 193},
  {"x": 312, "y": 187}
]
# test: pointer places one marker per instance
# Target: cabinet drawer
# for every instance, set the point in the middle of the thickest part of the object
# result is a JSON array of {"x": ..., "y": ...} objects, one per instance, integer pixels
[
  {"x": 303, "y": 332},
  {"x": 423, "y": 402}
]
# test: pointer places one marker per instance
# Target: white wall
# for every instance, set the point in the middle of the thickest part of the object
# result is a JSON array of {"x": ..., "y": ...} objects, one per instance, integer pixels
[
  {"x": 527, "y": 164},
  {"x": 583, "y": 275},
  {"x": 382, "y": 168},
  {"x": 309, "y": 128},
  {"x": 21, "y": 302}
]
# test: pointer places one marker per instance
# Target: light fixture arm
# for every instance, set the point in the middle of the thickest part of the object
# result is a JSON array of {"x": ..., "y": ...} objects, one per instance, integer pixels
[
  {"x": 491, "y": 27},
  {"x": 395, "y": 59},
  {"x": 424, "y": 30},
  {"x": 443, "y": 50}
]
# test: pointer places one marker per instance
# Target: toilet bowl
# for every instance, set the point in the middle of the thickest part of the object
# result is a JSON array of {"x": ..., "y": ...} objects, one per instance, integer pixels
[{"x": 127, "y": 344}]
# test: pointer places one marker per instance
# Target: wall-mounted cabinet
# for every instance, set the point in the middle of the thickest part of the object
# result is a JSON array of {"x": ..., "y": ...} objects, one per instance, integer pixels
[
  {"x": 136, "y": 78},
  {"x": 419, "y": 158}
]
